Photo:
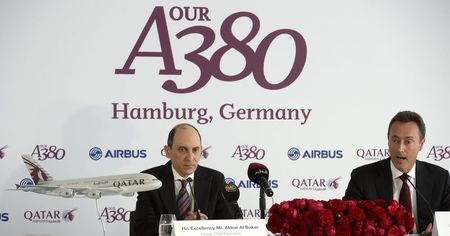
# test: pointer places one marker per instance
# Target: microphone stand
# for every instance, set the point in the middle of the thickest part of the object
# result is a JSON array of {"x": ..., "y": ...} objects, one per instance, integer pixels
[{"x": 262, "y": 202}]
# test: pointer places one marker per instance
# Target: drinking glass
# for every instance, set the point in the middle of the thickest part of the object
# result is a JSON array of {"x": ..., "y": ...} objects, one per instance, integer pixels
[{"x": 166, "y": 224}]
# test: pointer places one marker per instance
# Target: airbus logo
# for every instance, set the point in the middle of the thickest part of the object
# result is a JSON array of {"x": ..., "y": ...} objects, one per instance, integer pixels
[
  {"x": 295, "y": 154},
  {"x": 249, "y": 184},
  {"x": 4, "y": 216},
  {"x": 26, "y": 181},
  {"x": 96, "y": 153}
]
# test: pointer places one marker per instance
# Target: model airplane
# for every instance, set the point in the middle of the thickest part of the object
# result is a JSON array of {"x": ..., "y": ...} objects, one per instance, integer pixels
[{"x": 95, "y": 187}]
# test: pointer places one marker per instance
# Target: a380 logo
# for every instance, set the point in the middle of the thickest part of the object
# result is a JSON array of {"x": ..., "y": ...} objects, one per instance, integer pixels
[
  {"x": 245, "y": 152},
  {"x": 254, "y": 59},
  {"x": 439, "y": 152},
  {"x": 44, "y": 152},
  {"x": 112, "y": 215}
]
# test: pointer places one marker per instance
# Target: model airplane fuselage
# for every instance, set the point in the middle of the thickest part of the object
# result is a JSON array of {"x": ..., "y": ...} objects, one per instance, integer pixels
[{"x": 95, "y": 187}]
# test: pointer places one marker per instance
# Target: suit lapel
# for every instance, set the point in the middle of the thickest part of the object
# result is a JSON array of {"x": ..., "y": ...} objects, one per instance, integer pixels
[
  {"x": 202, "y": 184},
  {"x": 383, "y": 182},
  {"x": 426, "y": 190},
  {"x": 167, "y": 191}
]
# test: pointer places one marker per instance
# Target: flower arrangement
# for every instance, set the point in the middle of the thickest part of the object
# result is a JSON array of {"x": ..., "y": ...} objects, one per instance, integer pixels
[{"x": 304, "y": 217}]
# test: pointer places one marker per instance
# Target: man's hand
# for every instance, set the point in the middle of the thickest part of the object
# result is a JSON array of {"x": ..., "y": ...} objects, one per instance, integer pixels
[
  {"x": 428, "y": 230},
  {"x": 193, "y": 216}
]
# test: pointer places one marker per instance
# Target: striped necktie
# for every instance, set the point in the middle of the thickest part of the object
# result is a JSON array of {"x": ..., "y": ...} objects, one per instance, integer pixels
[{"x": 183, "y": 200}]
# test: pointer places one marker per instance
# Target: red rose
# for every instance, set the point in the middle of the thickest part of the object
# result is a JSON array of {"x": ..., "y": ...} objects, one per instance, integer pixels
[
  {"x": 336, "y": 205},
  {"x": 300, "y": 204},
  {"x": 378, "y": 213},
  {"x": 330, "y": 231},
  {"x": 369, "y": 229},
  {"x": 343, "y": 230},
  {"x": 284, "y": 206},
  {"x": 317, "y": 231},
  {"x": 394, "y": 231},
  {"x": 381, "y": 231},
  {"x": 315, "y": 206},
  {"x": 310, "y": 219},
  {"x": 351, "y": 203},
  {"x": 325, "y": 218},
  {"x": 356, "y": 214},
  {"x": 358, "y": 228},
  {"x": 386, "y": 222},
  {"x": 392, "y": 207},
  {"x": 306, "y": 217},
  {"x": 291, "y": 214}
]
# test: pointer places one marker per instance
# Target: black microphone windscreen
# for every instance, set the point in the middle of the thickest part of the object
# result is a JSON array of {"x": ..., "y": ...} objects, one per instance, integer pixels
[
  {"x": 256, "y": 171},
  {"x": 231, "y": 192}
]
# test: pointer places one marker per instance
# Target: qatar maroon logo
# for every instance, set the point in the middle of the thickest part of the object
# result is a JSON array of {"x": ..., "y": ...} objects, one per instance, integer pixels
[
  {"x": 68, "y": 215},
  {"x": 2, "y": 153},
  {"x": 37, "y": 174}
]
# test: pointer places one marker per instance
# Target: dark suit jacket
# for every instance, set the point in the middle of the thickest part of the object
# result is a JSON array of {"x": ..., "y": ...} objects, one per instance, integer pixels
[
  {"x": 208, "y": 186},
  {"x": 374, "y": 181}
]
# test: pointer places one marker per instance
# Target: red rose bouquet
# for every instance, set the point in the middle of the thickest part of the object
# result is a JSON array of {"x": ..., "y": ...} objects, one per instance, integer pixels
[{"x": 304, "y": 217}]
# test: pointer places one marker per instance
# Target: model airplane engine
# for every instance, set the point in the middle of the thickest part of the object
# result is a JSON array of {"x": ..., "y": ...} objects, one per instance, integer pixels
[
  {"x": 67, "y": 193},
  {"x": 94, "y": 194}
]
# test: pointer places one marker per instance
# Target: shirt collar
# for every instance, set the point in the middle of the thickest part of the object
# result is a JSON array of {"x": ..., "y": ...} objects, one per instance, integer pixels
[
  {"x": 396, "y": 173},
  {"x": 177, "y": 176}
]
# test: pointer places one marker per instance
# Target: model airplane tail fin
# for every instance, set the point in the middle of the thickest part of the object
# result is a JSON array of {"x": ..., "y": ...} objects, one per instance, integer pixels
[{"x": 38, "y": 174}]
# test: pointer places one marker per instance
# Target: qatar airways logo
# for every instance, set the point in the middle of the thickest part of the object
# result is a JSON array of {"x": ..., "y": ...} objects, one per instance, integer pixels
[
  {"x": 295, "y": 154},
  {"x": 49, "y": 216},
  {"x": 130, "y": 182},
  {"x": 251, "y": 52},
  {"x": 113, "y": 214},
  {"x": 2, "y": 152},
  {"x": 372, "y": 154},
  {"x": 253, "y": 213},
  {"x": 249, "y": 184},
  {"x": 316, "y": 184},
  {"x": 97, "y": 153},
  {"x": 439, "y": 152}
]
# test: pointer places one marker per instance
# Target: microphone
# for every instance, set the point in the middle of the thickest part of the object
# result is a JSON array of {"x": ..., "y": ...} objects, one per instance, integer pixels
[
  {"x": 231, "y": 194},
  {"x": 430, "y": 209},
  {"x": 189, "y": 180},
  {"x": 258, "y": 173}
]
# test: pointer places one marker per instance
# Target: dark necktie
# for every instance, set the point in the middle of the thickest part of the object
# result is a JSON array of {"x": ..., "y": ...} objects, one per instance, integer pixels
[
  {"x": 405, "y": 194},
  {"x": 183, "y": 200}
]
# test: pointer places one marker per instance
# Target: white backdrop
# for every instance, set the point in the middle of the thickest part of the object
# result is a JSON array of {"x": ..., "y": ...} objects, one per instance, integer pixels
[{"x": 365, "y": 61}]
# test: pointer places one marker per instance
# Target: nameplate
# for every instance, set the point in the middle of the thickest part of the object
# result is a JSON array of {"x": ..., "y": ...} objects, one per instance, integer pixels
[
  {"x": 441, "y": 225},
  {"x": 245, "y": 227}
]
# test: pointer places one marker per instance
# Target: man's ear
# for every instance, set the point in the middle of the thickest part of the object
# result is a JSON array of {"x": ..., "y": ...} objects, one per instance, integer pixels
[
  {"x": 422, "y": 142},
  {"x": 167, "y": 151}
]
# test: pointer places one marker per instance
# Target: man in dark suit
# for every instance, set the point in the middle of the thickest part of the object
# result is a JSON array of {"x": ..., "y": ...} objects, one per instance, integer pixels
[
  {"x": 184, "y": 150},
  {"x": 380, "y": 180}
]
